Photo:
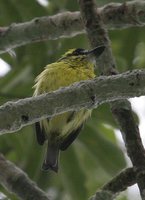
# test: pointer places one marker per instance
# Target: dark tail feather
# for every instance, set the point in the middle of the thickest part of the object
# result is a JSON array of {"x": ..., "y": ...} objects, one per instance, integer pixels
[{"x": 51, "y": 160}]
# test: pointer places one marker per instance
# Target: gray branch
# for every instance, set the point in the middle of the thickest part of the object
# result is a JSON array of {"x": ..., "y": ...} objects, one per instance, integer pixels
[
  {"x": 16, "y": 181},
  {"x": 69, "y": 24},
  {"x": 121, "y": 109},
  {"x": 118, "y": 184},
  {"x": 85, "y": 94}
]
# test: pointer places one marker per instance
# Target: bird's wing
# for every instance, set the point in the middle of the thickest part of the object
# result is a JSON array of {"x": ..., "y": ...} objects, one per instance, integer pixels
[
  {"x": 40, "y": 134},
  {"x": 70, "y": 138}
]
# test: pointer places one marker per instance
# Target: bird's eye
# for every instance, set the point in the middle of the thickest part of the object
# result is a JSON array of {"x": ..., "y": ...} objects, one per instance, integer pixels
[{"x": 78, "y": 51}]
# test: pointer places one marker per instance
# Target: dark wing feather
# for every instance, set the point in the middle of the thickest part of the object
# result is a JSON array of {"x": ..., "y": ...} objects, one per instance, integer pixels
[
  {"x": 70, "y": 138},
  {"x": 40, "y": 134}
]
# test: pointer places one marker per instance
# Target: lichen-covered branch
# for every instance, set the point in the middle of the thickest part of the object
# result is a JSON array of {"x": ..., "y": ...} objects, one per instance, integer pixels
[
  {"x": 133, "y": 143},
  {"x": 86, "y": 94},
  {"x": 69, "y": 24},
  {"x": 16, "y": 181},
  {"x": 97, "y": 35},
  {"x": 118, "y": 184}
]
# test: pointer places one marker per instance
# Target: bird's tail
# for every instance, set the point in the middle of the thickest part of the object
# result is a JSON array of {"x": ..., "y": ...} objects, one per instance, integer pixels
[{"x": 51, "y": 159}]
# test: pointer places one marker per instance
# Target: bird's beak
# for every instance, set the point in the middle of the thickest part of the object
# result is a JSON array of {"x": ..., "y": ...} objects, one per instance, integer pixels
[{"x": 96, "y": 51}]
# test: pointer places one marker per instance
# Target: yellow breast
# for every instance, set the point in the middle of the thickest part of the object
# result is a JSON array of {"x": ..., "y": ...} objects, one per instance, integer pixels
[{"x": 61, "y": 74}]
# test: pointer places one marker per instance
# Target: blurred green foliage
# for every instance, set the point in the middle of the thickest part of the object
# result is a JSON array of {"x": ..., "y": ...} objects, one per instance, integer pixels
[{"x": 95, "y": 157}]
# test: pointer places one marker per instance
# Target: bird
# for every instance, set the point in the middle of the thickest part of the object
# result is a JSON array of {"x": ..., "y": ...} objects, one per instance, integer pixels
[{"x": 61, "y": 130}]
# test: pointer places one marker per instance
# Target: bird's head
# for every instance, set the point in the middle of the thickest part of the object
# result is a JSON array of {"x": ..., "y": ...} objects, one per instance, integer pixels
[{"x": 82, "y": 55}]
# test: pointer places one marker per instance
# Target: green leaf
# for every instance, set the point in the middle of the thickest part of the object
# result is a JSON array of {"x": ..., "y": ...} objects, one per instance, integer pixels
[
  {"x": 107, "y": 153},
  {"x": 72, "y": 175}
]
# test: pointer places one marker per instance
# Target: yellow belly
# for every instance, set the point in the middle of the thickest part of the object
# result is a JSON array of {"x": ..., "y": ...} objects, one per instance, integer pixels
[
  {"x": 52, "y": 78},
  {"x": 60, "y": 124}
]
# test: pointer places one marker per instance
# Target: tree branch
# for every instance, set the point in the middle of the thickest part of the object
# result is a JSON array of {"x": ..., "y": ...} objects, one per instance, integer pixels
[
  {"x": 69, "y": 24},
  {"x": 133, "y": 143},
  {"x": 97, "y": 35},
  {"x": 118, "y": 184},
  {"x": 85, "y": 94},
  {"x": 16, "y": 181}
]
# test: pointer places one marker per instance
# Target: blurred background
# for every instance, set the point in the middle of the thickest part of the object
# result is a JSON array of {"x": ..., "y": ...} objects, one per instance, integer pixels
[{"x": 99, "y": 153}]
